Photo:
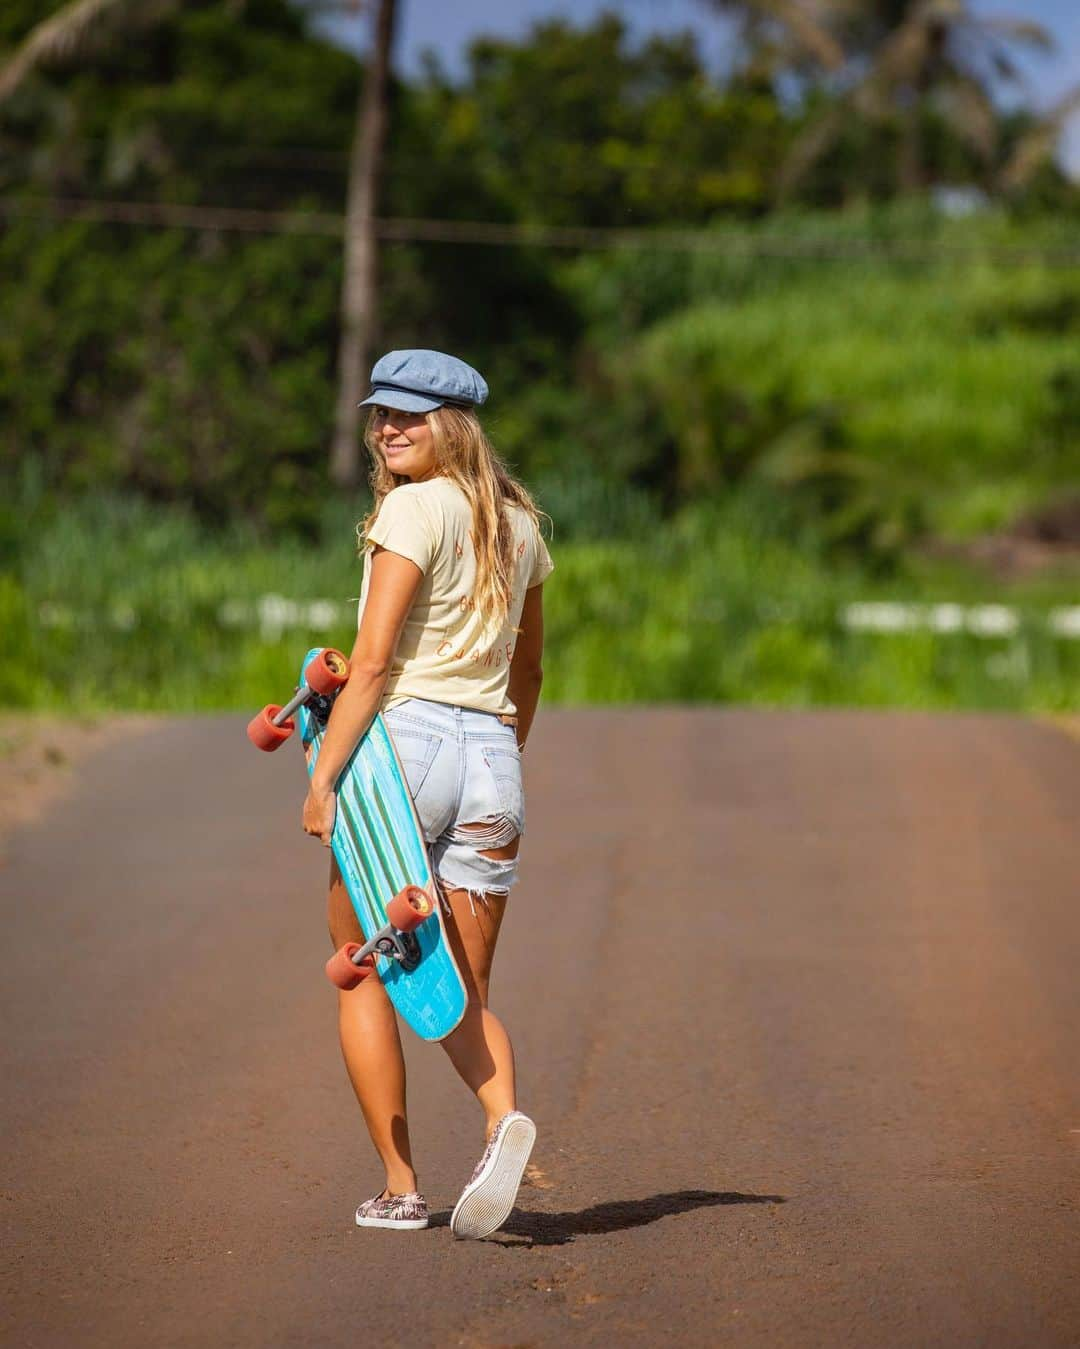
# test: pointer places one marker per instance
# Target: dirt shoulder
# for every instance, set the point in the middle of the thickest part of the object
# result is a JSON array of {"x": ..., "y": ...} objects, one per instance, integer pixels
[
  {"x": 39, "y": 755},
  {"x": 1069, "y": 723}
]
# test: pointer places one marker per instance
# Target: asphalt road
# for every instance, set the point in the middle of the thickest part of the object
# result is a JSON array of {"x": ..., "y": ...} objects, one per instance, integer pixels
[{"x": 797, "y": 1011}]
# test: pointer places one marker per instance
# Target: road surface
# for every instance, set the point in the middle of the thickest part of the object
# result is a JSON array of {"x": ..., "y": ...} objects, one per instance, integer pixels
[{"x": 797, "y": 1010}]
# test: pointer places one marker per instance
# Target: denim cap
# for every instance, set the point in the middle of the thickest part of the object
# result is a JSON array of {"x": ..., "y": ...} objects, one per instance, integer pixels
[{"x": 420, "y": 381}]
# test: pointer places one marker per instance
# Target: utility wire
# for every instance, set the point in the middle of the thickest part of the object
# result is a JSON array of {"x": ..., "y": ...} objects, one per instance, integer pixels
[
  {"x": 217, "y": 219},
  {"x": 212, "y": 219}
]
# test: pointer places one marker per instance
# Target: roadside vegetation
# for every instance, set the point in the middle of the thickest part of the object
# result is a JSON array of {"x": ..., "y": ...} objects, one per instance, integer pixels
[
  {"x": 716, "y": 604},
  {"x": 844, "y": 378}
]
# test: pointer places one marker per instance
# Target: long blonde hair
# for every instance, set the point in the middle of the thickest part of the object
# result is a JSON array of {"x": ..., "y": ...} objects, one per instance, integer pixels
[{"x": 464, "y": 454}]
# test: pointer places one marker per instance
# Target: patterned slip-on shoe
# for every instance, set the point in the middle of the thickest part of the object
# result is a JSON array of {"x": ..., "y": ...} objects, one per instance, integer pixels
[
  {"x": 407, "y": 1211},
  {"x": 486, "y": 1201}
]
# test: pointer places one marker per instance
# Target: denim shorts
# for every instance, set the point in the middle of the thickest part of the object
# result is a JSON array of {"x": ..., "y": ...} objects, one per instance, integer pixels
[{"x": 463, "y": 768}]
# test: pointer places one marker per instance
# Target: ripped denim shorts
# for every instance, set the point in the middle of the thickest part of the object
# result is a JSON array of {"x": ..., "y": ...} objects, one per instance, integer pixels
[{"x": 463, "y": 768}]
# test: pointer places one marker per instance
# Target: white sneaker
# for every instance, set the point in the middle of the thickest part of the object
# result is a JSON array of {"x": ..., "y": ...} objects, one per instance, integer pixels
[{"x": 487, "y": 1200}]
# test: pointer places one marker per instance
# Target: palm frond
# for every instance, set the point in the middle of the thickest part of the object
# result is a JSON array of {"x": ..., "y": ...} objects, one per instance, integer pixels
[
  {"x": 811, "y": 34},
  {"x": 809, "y": 146},
  {"x": 1037, "y": 145},
  {"x": 905, "y": 50},
  {"x": 59, "y": 37},
  {"x": 796, "y": 17},
  {"x": 1006, "y": 69},
  {"x": 972, "y": 113},
  {"x": 1024, "y": 32}
]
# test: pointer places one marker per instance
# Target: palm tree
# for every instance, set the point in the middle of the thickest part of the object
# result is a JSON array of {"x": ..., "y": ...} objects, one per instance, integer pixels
[
  {"x": 913, "y": 54},
  {"x": 896, "y": 57}
]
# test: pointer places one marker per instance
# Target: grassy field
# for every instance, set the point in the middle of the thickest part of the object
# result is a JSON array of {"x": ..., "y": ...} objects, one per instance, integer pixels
[
  {"x": 956, "y": 387},
  {"x": 890, "y": 393},
  {"x": 119, "y": 605},
  {"x": 807, "y": 423}
]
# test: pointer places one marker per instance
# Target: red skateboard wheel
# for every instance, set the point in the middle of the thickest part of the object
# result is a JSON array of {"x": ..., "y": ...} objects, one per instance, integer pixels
[
  {"x": 327, "y": 671},
  {"x": 341, "y": 971},
  {"x": 409, "y": 908},
  {"x": 264, "y": 734}
]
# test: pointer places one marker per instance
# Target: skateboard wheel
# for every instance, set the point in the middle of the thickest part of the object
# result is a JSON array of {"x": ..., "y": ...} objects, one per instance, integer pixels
[
  {"x": 327, "y": 671},
  {"x": 409, "y": 908},
  {"x": 264, "y": 734},
  {"x": 341, "y": 971}
]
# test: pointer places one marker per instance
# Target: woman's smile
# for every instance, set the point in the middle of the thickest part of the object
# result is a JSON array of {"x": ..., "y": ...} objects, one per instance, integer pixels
[{"x": 406, "y": 443}]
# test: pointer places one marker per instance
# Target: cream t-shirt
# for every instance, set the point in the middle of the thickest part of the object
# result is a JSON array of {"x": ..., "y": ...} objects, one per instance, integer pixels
[{"x": 446, "y": 652}]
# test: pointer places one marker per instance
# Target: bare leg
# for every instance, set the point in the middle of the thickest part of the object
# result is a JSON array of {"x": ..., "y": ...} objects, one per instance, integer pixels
[
  {"x": 480, "y": 1048},
  {"x": 371, "y": 1046}
]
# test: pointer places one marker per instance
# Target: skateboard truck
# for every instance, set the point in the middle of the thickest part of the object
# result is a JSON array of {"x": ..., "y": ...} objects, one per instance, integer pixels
[
  {"x": 396, "y": 941},
  {"x": 324, "y": 674}
]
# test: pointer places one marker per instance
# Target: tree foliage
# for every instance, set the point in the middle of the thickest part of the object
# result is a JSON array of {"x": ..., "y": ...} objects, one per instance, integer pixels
[{"x": 199, "y": 366}]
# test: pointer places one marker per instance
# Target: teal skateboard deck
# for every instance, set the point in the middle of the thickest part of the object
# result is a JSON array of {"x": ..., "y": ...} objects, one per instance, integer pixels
[{"x": 380, "y": 850}]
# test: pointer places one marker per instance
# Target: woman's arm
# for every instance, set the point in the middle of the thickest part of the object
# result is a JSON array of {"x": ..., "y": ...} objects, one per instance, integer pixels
[
  {"x": 391, "y": 591},
  {"x": 526, "y": 670}
]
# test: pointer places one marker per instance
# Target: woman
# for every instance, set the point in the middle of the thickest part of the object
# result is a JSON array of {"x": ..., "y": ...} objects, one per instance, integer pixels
[{"x": 448, "y": 647}]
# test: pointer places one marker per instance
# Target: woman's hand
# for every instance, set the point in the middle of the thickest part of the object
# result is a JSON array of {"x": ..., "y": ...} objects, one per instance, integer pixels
[{"x": 320, "y": 808}]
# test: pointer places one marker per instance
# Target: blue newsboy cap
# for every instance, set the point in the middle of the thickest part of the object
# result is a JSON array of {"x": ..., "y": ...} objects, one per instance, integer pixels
[{"x": 420, "y": 381}]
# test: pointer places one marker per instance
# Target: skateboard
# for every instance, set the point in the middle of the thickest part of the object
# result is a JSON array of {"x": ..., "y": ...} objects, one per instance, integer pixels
[{"x": 382, "y": 855}]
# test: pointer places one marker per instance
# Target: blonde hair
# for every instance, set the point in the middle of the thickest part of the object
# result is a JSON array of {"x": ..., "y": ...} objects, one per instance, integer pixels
[{"x": 464, "y": 454}]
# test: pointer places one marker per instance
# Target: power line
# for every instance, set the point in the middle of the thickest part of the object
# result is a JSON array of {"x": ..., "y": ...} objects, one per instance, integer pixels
[
  {"x": 169, "y": 215},
  {"x": 218, "y": 219}
]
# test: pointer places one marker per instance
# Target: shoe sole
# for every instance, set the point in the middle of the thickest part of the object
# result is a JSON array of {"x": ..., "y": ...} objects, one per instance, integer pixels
[
  {"x": 486, "y": 1203},
  {"x": 406, "y": 1224}
]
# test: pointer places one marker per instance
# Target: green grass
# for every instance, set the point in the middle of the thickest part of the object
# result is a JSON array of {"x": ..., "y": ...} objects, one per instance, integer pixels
[
  {"x": 891, "y": 396},
  {"x": 120, "y": 605},
  {"x": 714, "y": 610},
  {"x": 943, "y": 378},
  {"x": 866, "y": 403}
]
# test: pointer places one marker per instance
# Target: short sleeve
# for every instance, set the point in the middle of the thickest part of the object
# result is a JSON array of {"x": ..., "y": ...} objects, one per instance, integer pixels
[
  {"x": 542, "y": 563},
  {"x": 403, "y": 527}
]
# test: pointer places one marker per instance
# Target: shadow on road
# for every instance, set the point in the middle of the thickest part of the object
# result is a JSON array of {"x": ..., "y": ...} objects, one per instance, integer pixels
[{"x": 556, "y": 1229}]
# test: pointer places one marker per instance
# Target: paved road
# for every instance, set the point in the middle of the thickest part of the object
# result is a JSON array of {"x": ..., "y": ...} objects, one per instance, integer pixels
[{"x": 797, "y": 1011}]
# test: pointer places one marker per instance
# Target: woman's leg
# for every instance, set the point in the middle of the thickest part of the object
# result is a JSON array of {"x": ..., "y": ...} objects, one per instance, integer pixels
[
  {"x": 371, "y": 1046},
  {"x": 480, "y": 1048}
]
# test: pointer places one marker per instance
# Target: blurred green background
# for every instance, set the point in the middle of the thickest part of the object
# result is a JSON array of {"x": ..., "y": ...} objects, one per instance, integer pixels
[{"x": 834, "y": 363}]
